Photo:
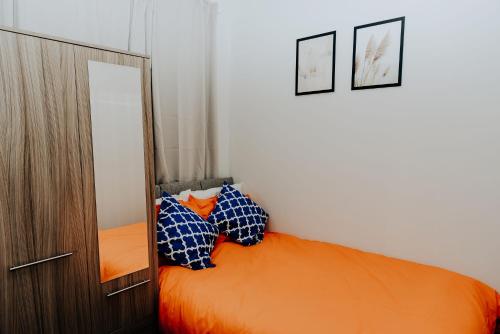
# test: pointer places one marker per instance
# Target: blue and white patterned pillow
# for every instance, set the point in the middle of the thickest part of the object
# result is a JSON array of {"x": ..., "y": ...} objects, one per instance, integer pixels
[
  {"x": 184, "y": 238},
  {"x": 238, "y": 217}
]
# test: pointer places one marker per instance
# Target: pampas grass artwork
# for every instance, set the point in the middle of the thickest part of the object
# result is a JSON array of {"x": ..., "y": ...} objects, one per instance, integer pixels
[
  {"x": 315, "y": 68},
  {"x": 368, "y": 70},
  {"x": 377, "y": 58}
]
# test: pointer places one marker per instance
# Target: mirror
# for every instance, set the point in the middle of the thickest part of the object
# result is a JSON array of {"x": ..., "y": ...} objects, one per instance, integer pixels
[{"x": 119, "y": 173}]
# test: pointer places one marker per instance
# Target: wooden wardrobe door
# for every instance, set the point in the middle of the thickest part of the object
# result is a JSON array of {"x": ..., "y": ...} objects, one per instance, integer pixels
[
  {"x": 19, "y": 293},
  {"x": 132, "y": 308},
  {"x": 41, "y": 189}
]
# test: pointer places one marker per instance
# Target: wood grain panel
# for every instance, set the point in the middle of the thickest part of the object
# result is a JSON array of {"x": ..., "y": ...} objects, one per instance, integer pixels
[
  {"x": 125, "y": 309},
  {"x": 66, "y": 182},
  {"x": 19, "y": 292},
  {"x": 43, "y": 203},
  {"x": 149, "y": 150}
]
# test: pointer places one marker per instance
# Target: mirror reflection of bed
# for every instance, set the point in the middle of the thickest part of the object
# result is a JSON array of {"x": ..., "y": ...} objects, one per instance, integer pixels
[{"x": 123, "y": 250}]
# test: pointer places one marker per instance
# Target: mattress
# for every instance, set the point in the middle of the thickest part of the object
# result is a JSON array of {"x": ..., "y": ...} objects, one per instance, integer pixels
[
  {"x": 123, "y": 250},
  {"x": 289, "y": 285}
]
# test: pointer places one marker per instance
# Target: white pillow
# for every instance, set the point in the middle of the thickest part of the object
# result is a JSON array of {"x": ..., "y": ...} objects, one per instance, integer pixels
[
  {"x": 238, "y": 186},
  {"x": 211, "y": 192},
  {"x": 183, "y": 196}
]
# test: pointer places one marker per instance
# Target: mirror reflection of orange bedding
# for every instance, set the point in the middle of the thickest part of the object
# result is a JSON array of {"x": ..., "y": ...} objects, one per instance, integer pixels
[
  {"x": 123, "y": 250},
  {"x": 289, "y": 285}
]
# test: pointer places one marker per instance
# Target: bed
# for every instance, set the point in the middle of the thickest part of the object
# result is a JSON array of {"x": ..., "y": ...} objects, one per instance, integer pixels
[{"x": 289, "y": 285}]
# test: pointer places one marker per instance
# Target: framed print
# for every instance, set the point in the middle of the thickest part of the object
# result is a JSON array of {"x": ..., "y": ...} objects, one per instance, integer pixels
[
  {"x": 377, "y": 59},
  {"x": 315, "y": 64}
]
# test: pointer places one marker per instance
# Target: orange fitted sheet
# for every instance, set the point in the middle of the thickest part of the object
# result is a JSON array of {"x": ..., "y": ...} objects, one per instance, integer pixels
[
  {"x": 123, "y": 250},
  {"x": 289, "y": 285},
  {"x": 498, "y": 307}
]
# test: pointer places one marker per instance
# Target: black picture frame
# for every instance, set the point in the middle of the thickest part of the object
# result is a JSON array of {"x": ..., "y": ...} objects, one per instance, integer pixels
[
  {"x": 297, "y": 93},
  {"x": 401, "y": 50}
]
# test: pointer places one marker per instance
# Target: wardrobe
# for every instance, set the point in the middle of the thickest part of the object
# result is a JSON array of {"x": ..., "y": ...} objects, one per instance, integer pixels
[{"x": 66, "y": 172}]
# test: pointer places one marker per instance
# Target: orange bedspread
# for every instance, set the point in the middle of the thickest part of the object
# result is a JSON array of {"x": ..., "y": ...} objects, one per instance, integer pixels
[
  {"x": 123, "y": 250},
  {"x": 289, "y": 285}
]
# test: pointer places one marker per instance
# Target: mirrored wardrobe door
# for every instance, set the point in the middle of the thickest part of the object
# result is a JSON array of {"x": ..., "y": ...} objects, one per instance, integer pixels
[{"x": 118, "y": 186}]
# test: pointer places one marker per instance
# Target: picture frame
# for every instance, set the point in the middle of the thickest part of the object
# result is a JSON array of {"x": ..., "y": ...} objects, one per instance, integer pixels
[
  {"x": 377, "y": 54},
  {"x": 315, "y": 64}
]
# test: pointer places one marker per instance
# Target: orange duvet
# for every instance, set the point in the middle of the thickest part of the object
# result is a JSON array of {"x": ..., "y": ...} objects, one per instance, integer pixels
[
  {"x": 123, "y": 250},
  {"x": 289, "y": 285}
]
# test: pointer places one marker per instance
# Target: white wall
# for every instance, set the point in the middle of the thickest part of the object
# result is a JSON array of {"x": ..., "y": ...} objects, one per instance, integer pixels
[{"x": 411, "y": 172}]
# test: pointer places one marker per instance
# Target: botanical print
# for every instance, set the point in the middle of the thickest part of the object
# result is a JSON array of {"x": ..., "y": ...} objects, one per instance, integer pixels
[
  {"x": 315, "y": 64},
  {"x": 377, "y": 57}
]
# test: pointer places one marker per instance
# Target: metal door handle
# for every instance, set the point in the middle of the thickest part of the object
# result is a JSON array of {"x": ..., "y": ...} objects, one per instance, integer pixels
[
  {"x": 40, "y": 261},
  {"x": 127, "y": 288}
]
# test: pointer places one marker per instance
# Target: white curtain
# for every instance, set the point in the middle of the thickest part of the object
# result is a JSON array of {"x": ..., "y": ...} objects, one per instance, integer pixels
[
  {"x": 179, "y": 36},
  {"x": 182, "y": 56}
]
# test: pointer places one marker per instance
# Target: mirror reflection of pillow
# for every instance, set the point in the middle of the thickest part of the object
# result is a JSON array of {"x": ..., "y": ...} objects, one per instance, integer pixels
[{"x": 184, "y": 238}]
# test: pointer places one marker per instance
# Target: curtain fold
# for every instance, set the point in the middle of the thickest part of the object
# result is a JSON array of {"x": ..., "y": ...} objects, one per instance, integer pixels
[
  {"x": 182, "y": 57},
  {"x": 141, "y": 25}
]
